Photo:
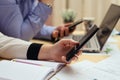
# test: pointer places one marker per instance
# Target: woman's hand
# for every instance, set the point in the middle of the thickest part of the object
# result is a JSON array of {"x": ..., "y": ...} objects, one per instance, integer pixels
[
  {"x": 62, "y": 31},
  {"x": 58, "y": 51}
]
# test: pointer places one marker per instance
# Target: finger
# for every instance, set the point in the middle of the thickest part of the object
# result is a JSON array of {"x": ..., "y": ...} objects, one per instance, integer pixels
[
  {"x": 55, "y": 34},
  {"x": 62, "y": 32},
  {"x": 73, "y": 43},
  {"x": 76, "y": 55},
  {"x": 65, "y": 61},
  {"x": 69, "y": 43},
  {"x": 66, "y": 31},
  {"x": 80, "y": 52},
  {"x": 75, "y": 58},
  {"x": 67, "y": 24}
]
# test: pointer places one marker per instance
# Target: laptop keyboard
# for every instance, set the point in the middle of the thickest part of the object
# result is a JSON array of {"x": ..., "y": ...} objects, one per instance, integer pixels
[{"x": 78, "y": 37}]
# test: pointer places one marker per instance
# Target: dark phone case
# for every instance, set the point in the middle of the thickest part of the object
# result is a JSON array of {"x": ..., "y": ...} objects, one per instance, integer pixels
[
  {"x": 83, "y": 41},
  {"x": 71, "y": 27}
]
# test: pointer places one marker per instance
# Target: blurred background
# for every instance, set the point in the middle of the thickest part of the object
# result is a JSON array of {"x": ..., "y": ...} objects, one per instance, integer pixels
[{"x": 91, "y": 9}]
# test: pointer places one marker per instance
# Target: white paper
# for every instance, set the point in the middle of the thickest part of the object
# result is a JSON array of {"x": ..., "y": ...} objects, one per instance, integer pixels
[
  {"x": 97, "y": 74},
  {"x": 108, "y": 69},
  {"x": 110, "y": 65},
  {"x": 20, "y": 71},
  {"x": 73, "y": 71}
]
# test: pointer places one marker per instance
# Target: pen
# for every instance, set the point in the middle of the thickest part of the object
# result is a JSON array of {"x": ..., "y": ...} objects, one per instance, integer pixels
[{"x": 27, "y": 62}]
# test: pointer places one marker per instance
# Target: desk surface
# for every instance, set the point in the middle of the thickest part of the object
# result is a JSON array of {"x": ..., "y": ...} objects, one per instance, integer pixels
[
  {"x": 118, "y": 41},
  {"x": 91, "y": 57},
  {"x": 117, "y": 37}
]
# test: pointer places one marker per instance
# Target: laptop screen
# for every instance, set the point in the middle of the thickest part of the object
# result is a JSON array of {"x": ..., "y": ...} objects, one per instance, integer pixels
[{"x": 110, "y": 20}]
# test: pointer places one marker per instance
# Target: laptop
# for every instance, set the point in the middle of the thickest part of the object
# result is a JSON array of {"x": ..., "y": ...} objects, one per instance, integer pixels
[{"x": 98, "y": 41}]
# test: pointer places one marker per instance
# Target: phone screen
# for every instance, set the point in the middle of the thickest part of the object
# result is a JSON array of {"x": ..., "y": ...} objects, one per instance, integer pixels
[{"x": 82, "y": 42}]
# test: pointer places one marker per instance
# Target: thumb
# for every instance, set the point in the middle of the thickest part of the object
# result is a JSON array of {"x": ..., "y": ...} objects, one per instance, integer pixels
[{"x": 55, "y": 34}]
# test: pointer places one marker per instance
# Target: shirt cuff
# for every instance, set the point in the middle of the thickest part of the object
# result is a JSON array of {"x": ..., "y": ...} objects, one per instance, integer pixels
[
  {"x": 45, "y": 32},
  {"x": 33, "y": 51}
]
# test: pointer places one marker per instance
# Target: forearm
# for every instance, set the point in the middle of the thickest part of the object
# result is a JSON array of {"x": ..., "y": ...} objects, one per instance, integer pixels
[
  {"x": 36, "y": 20},
  {"x": 14, "y": 24},
  {"x": 15, "y": 48},
  {"x": 12, "y": 47}
]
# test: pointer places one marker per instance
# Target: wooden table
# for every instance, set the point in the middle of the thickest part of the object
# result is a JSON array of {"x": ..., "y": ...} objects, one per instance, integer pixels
[{"x": 89, "y": 56}]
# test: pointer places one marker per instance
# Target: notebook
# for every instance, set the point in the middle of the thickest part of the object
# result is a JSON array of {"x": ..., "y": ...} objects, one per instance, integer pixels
[
  {"x": 98, "y": 41},
  {"x": 19, "y": 69}
]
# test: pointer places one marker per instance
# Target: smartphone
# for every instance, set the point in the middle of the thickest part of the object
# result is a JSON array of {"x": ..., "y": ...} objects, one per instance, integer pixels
[
  {"x": 82, "y": 42},
  {"x": 72, "y": 26}
]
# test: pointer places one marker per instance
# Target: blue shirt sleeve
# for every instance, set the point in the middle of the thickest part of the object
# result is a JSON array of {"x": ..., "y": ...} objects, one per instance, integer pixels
[
  {"x": 14, "y": 23},
  {"x": 45, "y": 32}
]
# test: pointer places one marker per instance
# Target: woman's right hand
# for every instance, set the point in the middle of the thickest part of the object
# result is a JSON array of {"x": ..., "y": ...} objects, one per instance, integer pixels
[{"x": 58, "y": 51}]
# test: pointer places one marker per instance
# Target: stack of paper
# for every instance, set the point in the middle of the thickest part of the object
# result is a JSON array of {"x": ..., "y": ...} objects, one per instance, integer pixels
[{"x": 108, "y": 69}]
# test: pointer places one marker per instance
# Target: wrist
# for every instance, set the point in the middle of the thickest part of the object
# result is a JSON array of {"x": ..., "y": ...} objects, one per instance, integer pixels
[{"x": 45, "y": 52}]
